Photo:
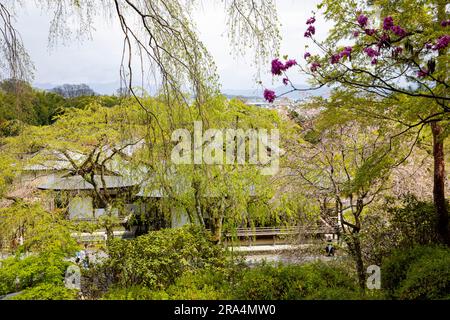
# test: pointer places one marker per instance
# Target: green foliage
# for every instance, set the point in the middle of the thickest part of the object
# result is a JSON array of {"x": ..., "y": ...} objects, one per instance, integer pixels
[
  {"x": 291, "y": 282},
  {"x": 39, "y": 263},
  {"x": 419, "y": 273},
  {"x": 134, "y": 293},
  {"x": 263, "y": 282},
  {"x": 21, "y": 102},
  {"x": 19, "y": 273},
  {"x": 414, "y": 222},
  {"x": 47, "y": 291},
  {"x": 378, "y": 239},
  {"x": 11, "y": 128},
  {"x": 199, "y": 285},
  {"x": 6, "y": 173},
  {"x": 83, "y": 102},
  {"x": 394, "y": 224},
  {"x": 157, "y": 259},
  {"x": 41, "y": 230},
  {"x": 203, "y": 285}
]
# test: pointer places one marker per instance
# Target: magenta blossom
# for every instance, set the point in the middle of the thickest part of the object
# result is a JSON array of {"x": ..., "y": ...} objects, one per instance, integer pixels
[
  {"x": 307, "y": 55},
  {"x": 335, "y": 58},
  {"x": 388, "y": 23},
  {"x": 397, "y": 51},
  {"x": 269, "y": 95},
  {"x": 442, "y": 42},
  {"x": 428, "y": 45},
  {"x": 346, "y": 52},
  {"x": 315, "y": 66},
  {"x": 374, "y": 61},
  {"x": 445, "y": 23},
  {"x": 277, "y": 67},
  {"x": 285, "y": 81},
  {"x": 399, "y": 31},
  {"x": 290, "y": 63},
  {"x": 371, "y": 52},
  {"x": 362, "y": 20},
  {"x": 311, "y": 20},
  {"x": 310, "y": 31},
  {"x": 370, "y": 32},
  {"x": 356, "y": 34},
  {"x": 384, "y": 41},
  {"x": 422, "y": 73}
]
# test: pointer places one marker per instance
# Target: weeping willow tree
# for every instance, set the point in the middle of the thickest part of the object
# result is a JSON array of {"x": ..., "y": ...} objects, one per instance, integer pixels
[
  {"x": 218, "y": 196},
  {"x": 157, "y": 34},
  {"x": 221, "y": 196},
  {"x": 160, "y": 40},
  {"x": 14, "y": 60}
]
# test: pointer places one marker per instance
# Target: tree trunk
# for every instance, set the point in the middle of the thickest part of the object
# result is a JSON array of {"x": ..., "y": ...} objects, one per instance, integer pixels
[
  {"x": 439, "y": 184},
  {"x": 355, "y": 250},
  {"x": 198, "y": 203},
  {"x": 108, "y": 226},
  {"x": 216, "y": 228},
  {"x": 360, "y": 266}
]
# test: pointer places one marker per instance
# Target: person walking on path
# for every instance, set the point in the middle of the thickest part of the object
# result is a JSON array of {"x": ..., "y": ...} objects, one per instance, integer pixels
[{"x": 330, "y": 249}]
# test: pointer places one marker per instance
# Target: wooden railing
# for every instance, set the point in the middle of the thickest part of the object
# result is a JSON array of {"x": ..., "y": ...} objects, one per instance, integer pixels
[
  {"x": 101, "y": 236},
  {"x": 280, "y": 235},
  {"x": 280, "y": 231}
]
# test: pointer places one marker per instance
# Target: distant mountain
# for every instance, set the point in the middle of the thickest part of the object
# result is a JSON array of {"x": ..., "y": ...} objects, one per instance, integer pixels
[
  {"x": 74, "y": 90},
  {"x": 245, "y": 93},
  {"x": 296, "y": 95},
  {"x": 231, "y": 96},
  {"x": 108, "y": 88}
]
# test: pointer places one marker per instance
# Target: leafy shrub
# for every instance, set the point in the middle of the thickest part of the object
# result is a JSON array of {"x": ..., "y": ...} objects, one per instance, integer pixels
[
  {"x": 47, "y": 291},
  {"x": 418, "y": 273},
  {"x": 264, "y": 282},
  {"x": 391, "y": 226},
  {"x": 207, "y": 285},
  {"x": 17, "y": 274},
  {"x": 414, "y": 222},
  {"x": 293, "y": 282},
  {"x": 11, "y": 128},
  {"x": 378, "y": 238},
  {"x": 158, "y": 259},
  {"x": 134, "y": 293}
]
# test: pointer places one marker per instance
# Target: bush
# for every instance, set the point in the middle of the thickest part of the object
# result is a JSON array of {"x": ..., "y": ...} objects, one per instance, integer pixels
[
  {"x": 264, "y": 282},
  {"x": 390, "y": 226},
  {"x": 11, "y": 128},
  {"x": 418, "y": 273},
  {"x": 158, "y": 259},
  {"x": 207, "y": 285},
  {"x": 134, "y": 293},
  {"x": 414, "y": 222},
  {"x": 17, "y": 274},
  {"x": 47, "y": 291},
  {"x": 294, "y": 282}
]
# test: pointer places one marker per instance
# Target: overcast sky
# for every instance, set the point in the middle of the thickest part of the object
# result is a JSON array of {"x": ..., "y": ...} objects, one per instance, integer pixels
[{"x": 98, "y": 60}]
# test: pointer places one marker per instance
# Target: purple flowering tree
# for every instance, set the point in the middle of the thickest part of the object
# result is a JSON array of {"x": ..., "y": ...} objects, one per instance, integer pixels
[{"x": 391, "y": 51}]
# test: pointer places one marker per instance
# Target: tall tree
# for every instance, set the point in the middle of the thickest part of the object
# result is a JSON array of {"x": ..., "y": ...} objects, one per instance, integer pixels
[
  {"x": 338, "y": 164},
  {"x": 92, "y": 142},
  {"x": 397, "y": 51}
]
